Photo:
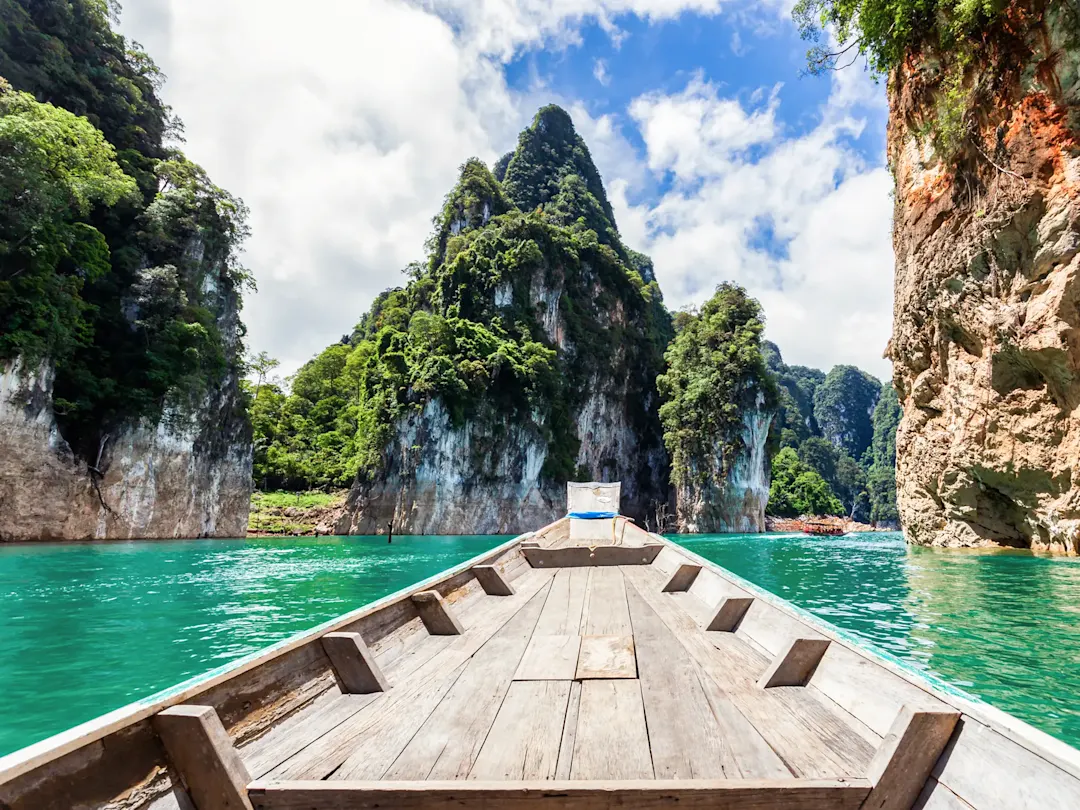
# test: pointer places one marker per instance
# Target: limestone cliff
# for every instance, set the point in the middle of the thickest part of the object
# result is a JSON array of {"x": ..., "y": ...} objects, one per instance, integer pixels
[
  {"x": 522, "y": 355},
  {"x": 176, "y": 477},
  {"x": 732, "y": 494},
  {"x": 986, "y": 344},
  {"x": 121, "y": 413}
]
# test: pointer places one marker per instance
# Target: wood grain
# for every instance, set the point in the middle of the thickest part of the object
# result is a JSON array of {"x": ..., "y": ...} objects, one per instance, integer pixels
[
  {"x": 908, "y": 753},
  {"x": 606, "y": 613},
  {"x": 205, "y": 757},
  {"x": 492, "y": 581},
  {"x": 436, "y": 614},
  {"x": 794, "y": 665},
  {"x": 685, "y": 739},
  {"x": 729, "y": 613},
  {"x": 606, "y": 657},
  {"x": 549, "y": 658},
  {"x": 354, "y": 664},
  {"x": 579, "y": 556},
  {"x": 608, "y": 795},
  {"x": 524, "y": 740},
  {"x": 683, "y": 578},
  {"x": 611, "y": 741}
]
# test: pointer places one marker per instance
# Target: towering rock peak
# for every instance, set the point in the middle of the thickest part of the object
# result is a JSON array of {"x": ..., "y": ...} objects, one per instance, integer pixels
[
  {"x": 523, "y": 354},
  {"x": 553, "y": 169},
  {"x": 471, "y": 204}
]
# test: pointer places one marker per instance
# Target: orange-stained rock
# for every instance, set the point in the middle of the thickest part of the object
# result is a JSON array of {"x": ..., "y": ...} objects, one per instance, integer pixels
[{"x": 986, "y": 342}]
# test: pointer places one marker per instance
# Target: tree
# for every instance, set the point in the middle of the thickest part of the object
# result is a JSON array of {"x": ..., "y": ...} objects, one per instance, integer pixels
[
  {"x": 54, "y": 166},
  {"x": 715, "y": 373},
  {"x": 261, "y": 364},
  {"x": 881, "y": 478},
  {"x": 798, "y": 490}
]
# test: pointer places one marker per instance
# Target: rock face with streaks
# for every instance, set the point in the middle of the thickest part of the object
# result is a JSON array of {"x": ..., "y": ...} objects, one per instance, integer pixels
[
  {"x": 186, "y": 475},
  {"x": 986, "y": 344},
  {"x": 733, "y": 496}
]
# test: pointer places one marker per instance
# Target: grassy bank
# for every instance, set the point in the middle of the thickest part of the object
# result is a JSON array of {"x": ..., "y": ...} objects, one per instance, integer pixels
[{"x": 293, "y": 513}]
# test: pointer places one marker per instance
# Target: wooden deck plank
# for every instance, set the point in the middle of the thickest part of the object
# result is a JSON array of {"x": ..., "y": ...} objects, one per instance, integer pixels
[
  {"x": 396, "y": 714},
  {"x": 549, "y": 658},
  {"x": 606, "y": 611},
  {"x": 445, "y": 743},
  {"x": 524, "y": 740},
  {"x": 284, "y": 740},
  {"x": 577, "y": 556},
  {"x": 704, "y": 795},
  {"x": 750, "y": 754},
  {"x": 812, "y": 740},
  {"x": 565, "y": 603},
  {"x": 611, "y": 741},
  {"x": 684, "y": 737},
  {"x": 606, "y": 657},
  {"x": 569, "y": 733}
]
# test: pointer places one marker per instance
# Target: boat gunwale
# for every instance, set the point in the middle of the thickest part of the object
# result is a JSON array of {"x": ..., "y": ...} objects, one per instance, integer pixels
[
  {"x": 1043, "y": 745},
  {"x": 20, "y": 762}
]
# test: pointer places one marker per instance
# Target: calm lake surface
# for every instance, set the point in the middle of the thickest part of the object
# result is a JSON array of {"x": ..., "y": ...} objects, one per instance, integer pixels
[{"x": 85, "y": 629}]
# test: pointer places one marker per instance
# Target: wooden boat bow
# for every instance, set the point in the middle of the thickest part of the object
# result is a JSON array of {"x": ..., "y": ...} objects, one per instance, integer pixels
[{"x": 556, "y": 672}]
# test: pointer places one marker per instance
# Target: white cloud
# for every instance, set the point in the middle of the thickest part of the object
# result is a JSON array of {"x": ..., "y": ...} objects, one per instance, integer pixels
[
  {"x": 799, "y": 220},
  {"x": 738, "y": 47},
  {"x": 344, "y": 137},
  {"x": 600, "y": 72}
]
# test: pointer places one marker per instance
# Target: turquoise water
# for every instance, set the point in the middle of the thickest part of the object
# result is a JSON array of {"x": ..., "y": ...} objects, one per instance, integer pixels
[
  {"x": 88, "y": 628},
  {"x": 1002, "y": 625},
  {"x": 85, "y": 629}
]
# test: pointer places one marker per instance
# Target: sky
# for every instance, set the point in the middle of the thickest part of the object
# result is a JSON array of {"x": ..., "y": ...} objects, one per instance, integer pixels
[{"x": 342, "y": 124}]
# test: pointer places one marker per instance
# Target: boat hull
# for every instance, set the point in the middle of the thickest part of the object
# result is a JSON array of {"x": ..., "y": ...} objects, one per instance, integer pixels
[{"x": 629, "y": 672}]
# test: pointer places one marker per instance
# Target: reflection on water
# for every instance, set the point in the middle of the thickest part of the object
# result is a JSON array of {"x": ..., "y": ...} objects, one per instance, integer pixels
[
  {"x": 87, "y": 628},
  {"x": 1003, "y": 625}
]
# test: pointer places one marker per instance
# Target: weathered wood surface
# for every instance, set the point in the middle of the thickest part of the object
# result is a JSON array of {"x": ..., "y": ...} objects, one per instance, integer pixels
[
  {"x": 684, "y": 737},
  {"x": 611, "y": 741},
  {"x": 606, "y": 613},
  {"x": 935, "y": 796},
  {"x": 729, "y": 613},
  {"x": 354, "y": 664},
  {"x": 683, "y": 578},
  {"x": 565, "y": 603},
  {"x": 812, "y": 741},
  {"x": 524, "y": 740},
  {"x": 990, "y": 772},
  {"x": 606, "y": 657},
  {"x": 492, "y": 581},
  {"x": 446, "y": 745},
  {"x": 578, "y": 556},
  {"x": 605, "y": 795},
  {"x": 436, "y": 614},
  {"x": 202, "y": 752},
  {"x": 549, "y": 658},
  {"x": 388, "y": 724},
  {"x": 903, "y": 763},
  {"x": 288, "y": 738},
  {"x": 794, "y": 665},
  {"x": 569, "y": 734}
]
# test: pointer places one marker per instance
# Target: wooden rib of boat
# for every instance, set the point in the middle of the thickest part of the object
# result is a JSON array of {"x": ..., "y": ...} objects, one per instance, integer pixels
[{"x": 586, "y": 666}]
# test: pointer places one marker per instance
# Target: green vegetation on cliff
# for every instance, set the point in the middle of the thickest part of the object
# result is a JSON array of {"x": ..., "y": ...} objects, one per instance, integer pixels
[
  {"x": 119, "y": 264},
  {"x": 468, "y": 334},
  {"x": 715, "y": 373},
  {"x": 839, "y": 426}
]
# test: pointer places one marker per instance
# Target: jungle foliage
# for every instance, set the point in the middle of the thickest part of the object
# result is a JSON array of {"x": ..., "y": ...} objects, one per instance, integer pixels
[
  {"x": 883, "y": 30},
  {"x": 464, "y": 333},
  {"x": 715, "y": 373},
  {"x": 118, "y": 257},
  {"x": 840, "y": 426}
]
